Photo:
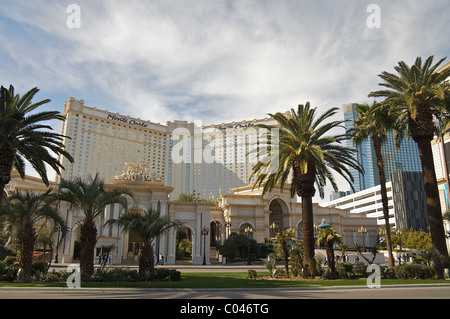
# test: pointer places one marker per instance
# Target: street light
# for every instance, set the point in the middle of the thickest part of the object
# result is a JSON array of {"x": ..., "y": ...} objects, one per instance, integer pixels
[
  {"x": 248, "y": 231},
  {"x": 273, "y": 229},
  {"x": 363, "y": 232},
  {"x": 204, "y": 232}
]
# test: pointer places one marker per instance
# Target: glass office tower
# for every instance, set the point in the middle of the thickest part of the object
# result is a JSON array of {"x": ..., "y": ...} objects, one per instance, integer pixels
[{"x": 406, "y": 158}]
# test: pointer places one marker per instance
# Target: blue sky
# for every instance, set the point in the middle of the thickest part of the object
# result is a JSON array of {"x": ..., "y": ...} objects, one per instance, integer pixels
[{"x": 213, "y": 60}]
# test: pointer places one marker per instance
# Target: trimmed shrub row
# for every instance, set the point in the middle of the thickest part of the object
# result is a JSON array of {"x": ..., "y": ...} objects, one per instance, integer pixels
[{"x": 9, "y": 269}]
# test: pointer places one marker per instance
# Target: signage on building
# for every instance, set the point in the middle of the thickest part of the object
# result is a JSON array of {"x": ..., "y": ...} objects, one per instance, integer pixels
[
  {"x": 235, "y": 126},
  {"x": 126, "y": 120}
]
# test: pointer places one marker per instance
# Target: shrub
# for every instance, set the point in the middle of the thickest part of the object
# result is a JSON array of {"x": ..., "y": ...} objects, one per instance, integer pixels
[
  {"x": 414, "y": 271},
  {"x": 167, "y": 274},
  {"x": 251, "y": 274},
  {"x": 39, "y": 265},
  {"x": 345, "y": 270},
  {"x": 327, "y": 274},
  {"x": 359, "y": 269},
  {"x": 162, "y": 273},
  {"x": 113, "y": 275},
  {"x": 9, "y": 261},
  {"x": 279, "y": 273},
  {"x": 271, "y": 267},
  {"x": 56, "y": 276},
  {"x": 174, "y": 275}
]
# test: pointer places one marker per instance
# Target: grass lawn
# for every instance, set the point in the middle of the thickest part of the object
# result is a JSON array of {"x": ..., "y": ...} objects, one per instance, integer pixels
[{"x": 228, "y": 280}]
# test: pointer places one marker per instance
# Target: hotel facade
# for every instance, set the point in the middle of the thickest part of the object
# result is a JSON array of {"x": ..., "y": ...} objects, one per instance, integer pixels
[
  {"x": 157, "y": 162},
  {"x": 205, "y": 160}
]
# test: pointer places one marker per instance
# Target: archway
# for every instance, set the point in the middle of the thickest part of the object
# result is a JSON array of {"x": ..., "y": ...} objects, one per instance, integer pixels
[
  {"x": 278, "y": 211},
  {"x": 184, "y": 246},
  {"x": 216, "y": 233}
]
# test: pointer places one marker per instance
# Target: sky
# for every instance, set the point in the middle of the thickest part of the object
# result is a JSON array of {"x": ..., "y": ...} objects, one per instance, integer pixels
[{"x": 212, "y": 61}]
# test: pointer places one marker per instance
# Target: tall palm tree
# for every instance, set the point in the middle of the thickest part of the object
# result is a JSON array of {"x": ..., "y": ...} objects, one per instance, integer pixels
[
  {"x": 91, "y": 198},
  {"x": 23, "y": 136},
  {"x": 23, "y": 212},
  {"x": 417, "y": 93},
  {"x": 328, "y": 237},
  {"x": 374, "y": 122},
  {"x": 149, "y": 226},
  {"x": 306, "y": 156}
]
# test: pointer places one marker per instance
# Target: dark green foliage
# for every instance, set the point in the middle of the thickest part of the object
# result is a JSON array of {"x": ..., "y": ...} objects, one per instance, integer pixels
[
  {"x": 414, "y": 271},
  {"x": 236, "y": 248},
  {"x": 251, "y": 274}
]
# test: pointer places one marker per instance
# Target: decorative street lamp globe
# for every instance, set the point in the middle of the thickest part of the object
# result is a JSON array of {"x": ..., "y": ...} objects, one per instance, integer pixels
[{"x": 324, "y": 224}]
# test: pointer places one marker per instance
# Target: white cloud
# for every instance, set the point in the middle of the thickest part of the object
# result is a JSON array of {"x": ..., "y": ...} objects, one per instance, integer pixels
[{"x": 214, "y": 61}]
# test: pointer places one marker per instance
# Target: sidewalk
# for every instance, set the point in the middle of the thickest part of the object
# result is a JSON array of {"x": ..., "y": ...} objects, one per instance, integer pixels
[{"x": 214, "y": 267}]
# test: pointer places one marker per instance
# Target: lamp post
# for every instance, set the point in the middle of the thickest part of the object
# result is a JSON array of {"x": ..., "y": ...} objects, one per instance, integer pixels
[
  {"x": 204, "y": 233},
  {"x": 273, "y": 229},
  {"x": 248, "y": 231},
  {"x": 363, "y": 232}
]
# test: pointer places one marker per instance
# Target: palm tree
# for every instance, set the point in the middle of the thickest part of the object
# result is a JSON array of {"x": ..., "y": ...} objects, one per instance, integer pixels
[
  {"x": 282, "y": 237},
  {"x": 23, "y": 136},
  {"x": 91, "y": 198},
  {"x": 306, "y": 156},
  {"x": 416, "y": 94},
  {"x": 148, "y": 226},
  {"x": 375, "y": 122},
  {"x": 328, "y": 237},
  {"x": 23, "y": 212}
]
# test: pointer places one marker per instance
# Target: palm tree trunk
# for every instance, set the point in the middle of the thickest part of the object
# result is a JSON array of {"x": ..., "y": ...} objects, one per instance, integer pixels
[
  {"x": 285, "y": 257},
  {"x": 308, "y": 232},
  {"x": 384, "y": 199},
  {"x": 330, "y": 256},
  {"x": 147, "y": 262},
  {"x": 88, "y": 239},
  {"x": 434, "y": 207},
  {"x": 27, "y": 239}
]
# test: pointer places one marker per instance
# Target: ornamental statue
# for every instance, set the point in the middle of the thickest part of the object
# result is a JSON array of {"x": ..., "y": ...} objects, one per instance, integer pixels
[{"x": 138, "y": 172}]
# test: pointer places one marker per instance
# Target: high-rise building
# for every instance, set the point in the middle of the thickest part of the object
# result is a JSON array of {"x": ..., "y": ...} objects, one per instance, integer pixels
[
  {"x": 102, "y": 141},
  {"x": 406, "y": 158},
  {"x": 207, "y": 160}
]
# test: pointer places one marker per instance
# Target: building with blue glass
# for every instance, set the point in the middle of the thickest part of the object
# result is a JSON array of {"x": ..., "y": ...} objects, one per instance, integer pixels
[{"x": 406, "y": 158}]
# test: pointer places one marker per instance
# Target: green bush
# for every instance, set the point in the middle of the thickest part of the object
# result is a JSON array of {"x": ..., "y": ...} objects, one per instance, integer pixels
[
  {"x": 251, "y": 274},
  {"x": 39, "y": 265},
  {"x": 414, "y": 271},
  {"x": 345, "y": 270},
  {"x": 8, "y": 269},
  {"x": 56, "y": 276},
  {"x": 174, "y": 275},
  {"x": 9, "y": 261},
  {"x": 167, "y": 274},
  {"x": 359, "y": 269},
  {"x": 113, "y": 275},
  {"x": 162, "y": 273}
]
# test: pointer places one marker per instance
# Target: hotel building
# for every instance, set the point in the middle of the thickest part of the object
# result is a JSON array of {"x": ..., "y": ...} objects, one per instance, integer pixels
[{"x": 205, "y": 160}]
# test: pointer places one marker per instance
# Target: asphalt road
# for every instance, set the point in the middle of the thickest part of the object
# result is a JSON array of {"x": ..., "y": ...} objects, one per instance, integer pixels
[{"x": 395, "y": 292}]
